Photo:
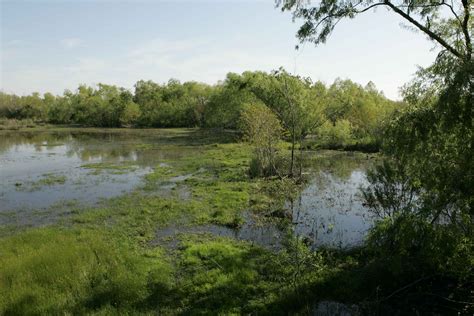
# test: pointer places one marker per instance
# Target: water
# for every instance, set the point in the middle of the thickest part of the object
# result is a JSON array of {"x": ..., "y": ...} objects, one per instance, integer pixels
[
  {"x": 50, "y": 170},
  {"x": 43, "y": 174},
  {"x": 330, "y": 211},
  {"x": 266, "y": 234}
]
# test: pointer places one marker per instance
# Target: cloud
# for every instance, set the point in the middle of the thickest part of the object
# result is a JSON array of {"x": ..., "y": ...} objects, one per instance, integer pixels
[{"x": 71, "y": 42}]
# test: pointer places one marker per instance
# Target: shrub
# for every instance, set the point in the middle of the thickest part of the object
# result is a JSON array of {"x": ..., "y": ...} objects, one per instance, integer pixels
[{"x": 262, "y": 129}]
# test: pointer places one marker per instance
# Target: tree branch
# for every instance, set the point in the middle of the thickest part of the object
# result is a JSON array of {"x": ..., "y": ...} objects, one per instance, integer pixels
[
  {"x": 465, "y": 28},
  {"x": 427, "y": 31}
]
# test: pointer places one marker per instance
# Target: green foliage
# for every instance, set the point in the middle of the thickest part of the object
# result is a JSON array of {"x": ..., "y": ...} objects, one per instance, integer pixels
[
  {"x": 391, "y": 190},
  {"x": 171, "y": 105},
  {"x": 301, "y": 105},
  {"x": 263, "y": 130},
  {"x": 425, "y": 191},
  {"x": 14, "y": 124},
  {"x": 335, "y": 135},
  {"x": 408, "y": 244},
  {"x": 450, "y": 28},
  {"x": 51, "y": 271},
  {"x": 228, "y": 100}
]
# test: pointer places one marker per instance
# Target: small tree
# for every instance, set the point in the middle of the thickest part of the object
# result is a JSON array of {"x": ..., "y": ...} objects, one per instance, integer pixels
[
  {"x": 300, "y": 108},
  {"x": 263, "y": 130}
]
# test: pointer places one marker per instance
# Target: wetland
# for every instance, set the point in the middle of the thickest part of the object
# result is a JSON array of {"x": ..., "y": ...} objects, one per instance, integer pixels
[{"x": 176, "y": 208}]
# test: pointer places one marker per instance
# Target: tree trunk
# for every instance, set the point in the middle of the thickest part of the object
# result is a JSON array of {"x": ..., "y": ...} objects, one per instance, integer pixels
[{"x": 292, "y": 152}]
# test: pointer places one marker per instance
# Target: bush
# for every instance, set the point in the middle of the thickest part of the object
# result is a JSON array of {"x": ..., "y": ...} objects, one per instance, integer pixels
[
  {"x": 336, "y": 135},
  {"x": 262, "y": 129}
]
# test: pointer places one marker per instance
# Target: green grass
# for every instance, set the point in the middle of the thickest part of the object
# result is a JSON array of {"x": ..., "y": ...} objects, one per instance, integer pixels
[{"x": 59, "y": 271}]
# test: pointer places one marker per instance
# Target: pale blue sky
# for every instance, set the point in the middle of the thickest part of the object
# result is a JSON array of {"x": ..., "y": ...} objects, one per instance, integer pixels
[{"x": 56, "y": 45}]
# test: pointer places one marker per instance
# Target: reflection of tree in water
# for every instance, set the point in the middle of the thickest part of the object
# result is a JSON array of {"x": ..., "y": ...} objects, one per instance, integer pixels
[
  {"x": 328, "y": 211},
  {"x": 92, "y": 140},
  {"x": 116, "y": 147},
  {"x": 143, "y": 147},
  {"x": 38, "y": 140},
  {"x": 339, "y": 164},
  {"x": 102, "y": 146}
]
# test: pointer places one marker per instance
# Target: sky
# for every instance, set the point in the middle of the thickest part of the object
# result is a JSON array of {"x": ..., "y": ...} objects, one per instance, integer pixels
[{"x": 50, "y": 46}]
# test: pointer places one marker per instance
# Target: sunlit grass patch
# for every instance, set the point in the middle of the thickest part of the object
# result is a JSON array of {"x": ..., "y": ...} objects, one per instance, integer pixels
[
  {"x": 59, "y": 271},
  {"x": 225, "y": 276}
]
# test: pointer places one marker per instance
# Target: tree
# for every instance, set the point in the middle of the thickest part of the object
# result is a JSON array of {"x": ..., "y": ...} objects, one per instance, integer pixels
[
  {"x": 263, "y": 130},
  {"x": 299, "y": 107},
  {"x": 453, "y": 34},
  {"x": 227, "y": 101},
  {"x": 424, "y": 188},
  {"x": 130, "y": 114}
]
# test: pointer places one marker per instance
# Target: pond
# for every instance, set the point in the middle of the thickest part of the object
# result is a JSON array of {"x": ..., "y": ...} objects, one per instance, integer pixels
[
  {"x": 52, "y": 170},
  {"x": 330, "y": 211},
  {"x": 44, "y": 174}
]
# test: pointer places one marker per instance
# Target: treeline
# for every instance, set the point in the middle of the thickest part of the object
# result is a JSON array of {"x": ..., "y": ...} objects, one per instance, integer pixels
[{"x": 351, "y": 112}]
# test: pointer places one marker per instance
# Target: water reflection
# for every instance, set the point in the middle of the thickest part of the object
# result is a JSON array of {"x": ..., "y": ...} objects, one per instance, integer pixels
[
  {"x": 30, "y": 160},
  {"x": 266, "y": 234},
  {"x": 329, "y": 212}
]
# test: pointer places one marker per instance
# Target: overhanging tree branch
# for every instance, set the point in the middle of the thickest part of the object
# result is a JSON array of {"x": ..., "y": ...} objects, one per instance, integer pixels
[
  {"x": 465, "y": 28},
  {"x": 426, "y": 30}
]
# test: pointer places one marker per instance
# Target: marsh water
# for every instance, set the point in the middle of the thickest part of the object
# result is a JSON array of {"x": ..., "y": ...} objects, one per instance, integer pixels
[{"x": 46, "y": 173}]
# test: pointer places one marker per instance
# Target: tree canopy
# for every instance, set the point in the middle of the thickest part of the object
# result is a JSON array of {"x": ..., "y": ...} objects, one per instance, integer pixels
[{"x": 448, "y": 23}]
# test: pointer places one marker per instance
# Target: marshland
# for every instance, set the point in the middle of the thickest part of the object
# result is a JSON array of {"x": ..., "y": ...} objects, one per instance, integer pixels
[{"x": 264, "y": 192}]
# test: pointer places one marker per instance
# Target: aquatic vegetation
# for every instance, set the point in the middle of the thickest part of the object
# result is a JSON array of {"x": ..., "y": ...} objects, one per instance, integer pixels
[
  {"x": 49, "y": 179},
  {"x": 109, "y": 166}
]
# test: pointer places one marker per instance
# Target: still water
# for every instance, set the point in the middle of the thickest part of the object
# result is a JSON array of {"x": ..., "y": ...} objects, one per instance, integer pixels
[
  {"x": 43, "y": 174},
  {"x": 51, "y": 171}
]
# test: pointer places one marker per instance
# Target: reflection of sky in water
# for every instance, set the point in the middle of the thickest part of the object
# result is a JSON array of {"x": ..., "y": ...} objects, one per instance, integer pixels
[
  {"x": 27, "y": 159},
  {"x": 330, "y": 212}
]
